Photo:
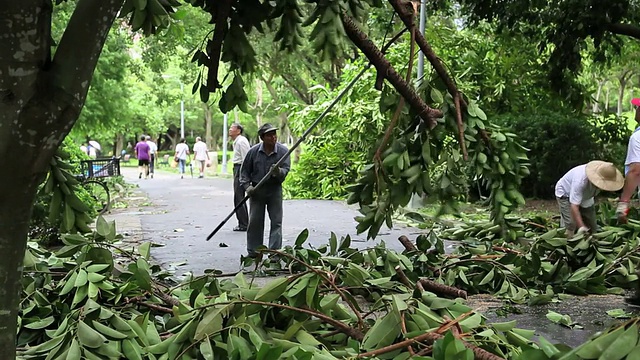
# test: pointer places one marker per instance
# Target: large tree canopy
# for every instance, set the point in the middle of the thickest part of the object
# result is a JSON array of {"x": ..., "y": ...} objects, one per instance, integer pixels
[{"x": 565, "y": 30}]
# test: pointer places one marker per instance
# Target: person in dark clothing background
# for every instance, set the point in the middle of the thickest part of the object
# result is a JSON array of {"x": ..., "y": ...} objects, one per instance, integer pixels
[{"x": 260, "y": 161}]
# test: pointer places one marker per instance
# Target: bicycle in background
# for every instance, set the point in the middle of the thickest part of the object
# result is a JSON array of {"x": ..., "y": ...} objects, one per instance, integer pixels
[{"x": 93, "y": 173}]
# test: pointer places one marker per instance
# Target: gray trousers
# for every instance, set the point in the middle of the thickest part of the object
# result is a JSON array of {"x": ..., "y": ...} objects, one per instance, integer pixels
[
  {"x": 238, "y": 194},
  {"x": 269, "y": 198},
  {"x": 566, "y": 220}
]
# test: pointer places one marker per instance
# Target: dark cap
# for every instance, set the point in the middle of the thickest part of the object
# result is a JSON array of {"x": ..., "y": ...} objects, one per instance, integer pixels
[{"x": 266, "y": 128}]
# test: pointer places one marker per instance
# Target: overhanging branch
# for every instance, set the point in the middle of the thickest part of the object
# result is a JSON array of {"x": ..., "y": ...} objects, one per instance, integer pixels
[
  {"x": 625, "y": 29},
  {"x": 383, "y": 66},
  {"x": 81, "y": 45}
]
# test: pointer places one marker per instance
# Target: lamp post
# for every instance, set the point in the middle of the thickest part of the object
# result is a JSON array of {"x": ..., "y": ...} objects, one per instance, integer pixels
[
  {"x": 181, "y": 102},
  {"x": 224, "y": 144}
]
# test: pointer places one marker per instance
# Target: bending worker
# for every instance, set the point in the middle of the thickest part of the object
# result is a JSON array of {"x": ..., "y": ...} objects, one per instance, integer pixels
[{"x": 576, "y": 192}]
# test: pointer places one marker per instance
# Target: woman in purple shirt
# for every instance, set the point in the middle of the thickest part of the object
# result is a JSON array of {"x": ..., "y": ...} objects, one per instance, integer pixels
[{"x": 142, "y": 154}]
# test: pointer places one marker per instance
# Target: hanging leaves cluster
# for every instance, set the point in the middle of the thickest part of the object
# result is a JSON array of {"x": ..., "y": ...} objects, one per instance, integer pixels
[
  {"x": 148, "y": 15},
  {"x": 66, "y": 207},
  {"x": 429, "y": 162}
]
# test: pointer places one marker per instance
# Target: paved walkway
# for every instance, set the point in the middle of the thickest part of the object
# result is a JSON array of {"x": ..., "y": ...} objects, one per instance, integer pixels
[{"x": 180, "y": 213}]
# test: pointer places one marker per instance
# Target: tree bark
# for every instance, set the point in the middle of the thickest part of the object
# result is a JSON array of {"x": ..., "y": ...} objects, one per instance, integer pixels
[
  {"x": 625, "y": 29},
  {"x": 208, "y": 137},
  {"x": 383, "y": 66},
  {"x": 624, "y": 77},
  {"x": 596, "y": 103},
  {"x": 41, "y": 100},
  {"x": 259, "y": 101}
]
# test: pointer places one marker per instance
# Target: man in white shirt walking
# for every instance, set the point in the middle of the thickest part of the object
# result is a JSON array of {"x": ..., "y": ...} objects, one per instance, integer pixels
[
  {"x": 153, "y": 149},
  {"x": 240, "y": 148},
  {"x": 201, "y": 155},
  {"x": 576, "y": 192},
  {"x": 182, "y": 150}
]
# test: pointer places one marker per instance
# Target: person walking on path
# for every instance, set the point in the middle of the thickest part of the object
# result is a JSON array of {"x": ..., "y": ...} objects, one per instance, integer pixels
[
  {"x": 240, "y": 148},
  {"x": 142, "y": 154},
  {"x": 631, "y": 168},
  {"x": 259, "y": 162},
  {"x": 201, "y": 155},
  {"x": 576, "y": 191},
  {"x": 182, "y": 150},
  {"x": 153, "y": 149}
]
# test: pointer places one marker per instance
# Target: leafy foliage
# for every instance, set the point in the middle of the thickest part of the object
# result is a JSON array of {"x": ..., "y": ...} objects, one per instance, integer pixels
[
  {"x": 415, "y": 151},
  {"x": 562, "y": 30},
  {"x": 82, "y": 301},
  {"x": 333, "y": 155},
  {"x": 580, "y": 138}
]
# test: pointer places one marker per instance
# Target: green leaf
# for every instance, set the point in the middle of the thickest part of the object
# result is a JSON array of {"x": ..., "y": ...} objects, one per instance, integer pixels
[
  {"x": 206, "y": 350},
  {"x": 504, "y": 326},
  {"x": 41, "y": 324},
  {"x": 272, "y": 290},
  {"x": 211, "y": 323},
  {"x": 145, "y": 250},
  {"x": 89, "y": 337},
  {"x": 302, "y": 237},
  {"x": 269, "y": 352},
  {"x": 108, "y": 332},
  {"x": 383, "y": 332},
  {"x": 436, "y": 96},
  {"x": 102, "y": 226},
  {"x": 74, "y": 352},
  {"x": 487, "y": 278},
  {"x": 619, "y": 314}
]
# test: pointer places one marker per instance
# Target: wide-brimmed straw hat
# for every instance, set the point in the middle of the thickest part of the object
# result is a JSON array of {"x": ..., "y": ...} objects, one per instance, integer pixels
[{"x": 604, "y": 175}]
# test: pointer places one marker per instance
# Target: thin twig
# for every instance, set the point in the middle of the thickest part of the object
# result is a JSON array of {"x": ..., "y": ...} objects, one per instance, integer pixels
[
  {"x": 156, "y": 307},
  {"x": 403, "y": 327},
  {"x": 339, "y": 325},
  {"x": 463, "y": 145},
  {"x": 403, "y": 277}
]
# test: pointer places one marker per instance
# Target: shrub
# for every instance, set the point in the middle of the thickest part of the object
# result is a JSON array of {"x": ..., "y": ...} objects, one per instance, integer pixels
[{"x": 559, "y": 141}]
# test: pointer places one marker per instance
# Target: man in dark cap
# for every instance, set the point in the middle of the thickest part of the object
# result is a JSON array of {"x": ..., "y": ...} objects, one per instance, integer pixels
[{"x": 259, "y": 162}]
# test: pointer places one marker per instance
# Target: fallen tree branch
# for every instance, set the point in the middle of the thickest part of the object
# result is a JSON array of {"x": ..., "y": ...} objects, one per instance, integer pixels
[
  {"x": 156, "y": 307},
  {"x": 383, "y": 66},
  {"x": 324, "y": 276},
  {"x": 339, "y": 325},
  {"x": 404, "y": 11},
  {"x": 408, "y": 245},
  {"x": 441, "y": 289},
  {"x": 403, "y": 277},
  {"x": 463, "y": 145},
  {"x": 430, "y": 338}
]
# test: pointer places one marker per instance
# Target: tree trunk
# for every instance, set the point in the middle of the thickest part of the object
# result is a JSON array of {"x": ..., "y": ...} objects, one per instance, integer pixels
[
  {"x": 119, "y": 145},
  {"x": 606, "y": 100},
  {"x": 41, "y": 100},
  {"x": 596, "y": 103},
  {"x": 259, "y": 102},
  {"x": 208, "y": 138},
  {"x": 623, "y": 84}
]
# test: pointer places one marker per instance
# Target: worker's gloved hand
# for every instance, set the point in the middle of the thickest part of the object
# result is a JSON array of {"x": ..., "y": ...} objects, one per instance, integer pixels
[
  {"x": 622, "y": 210},
  {"x": 582, "y": 230},
  {"x": 250, "y": 190},
  {"x": 275, "y": 171}
]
